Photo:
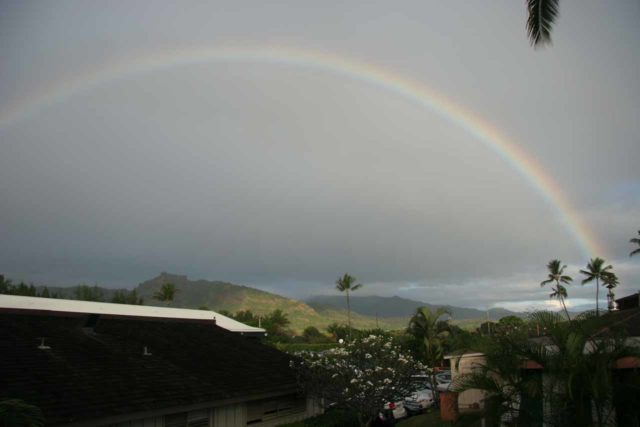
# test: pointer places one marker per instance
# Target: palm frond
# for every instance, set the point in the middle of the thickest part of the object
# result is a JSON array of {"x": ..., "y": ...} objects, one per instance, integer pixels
[{"x": 542, "y": 14}]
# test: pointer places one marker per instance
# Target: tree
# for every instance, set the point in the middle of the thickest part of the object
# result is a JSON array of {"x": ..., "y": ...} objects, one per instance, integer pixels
[
  {"x": 542, "y": 14},
  {"x": 276, "y": 322},
  {"x": 361, "y": 375},
  {"x": 610, "y": 281},
  {"x": 595, "y": 271},
  {"x": 347, "y": 284},
  {"x": 338, "y": 331},
  {"x": 125, "y": 297},
  {"x": 247, "y": 317},
  {"x": 88, "y": 293},
  {"x": 424, "y": 328},
  {"x": 635, "y": 241},
  {"x": 311, "y": 332},
  {"x": 166, "y": 293},
  {"x": 556, "y": 270},
  {"x": 6, "y": 286}
]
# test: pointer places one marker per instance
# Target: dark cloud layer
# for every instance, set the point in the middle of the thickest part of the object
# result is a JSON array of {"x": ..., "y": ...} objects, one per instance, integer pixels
[{"x": 285, "y": 177}]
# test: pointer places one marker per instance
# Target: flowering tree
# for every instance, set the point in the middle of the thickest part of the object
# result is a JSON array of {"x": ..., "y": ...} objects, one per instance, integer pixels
[{"x": 361, "y": 375}]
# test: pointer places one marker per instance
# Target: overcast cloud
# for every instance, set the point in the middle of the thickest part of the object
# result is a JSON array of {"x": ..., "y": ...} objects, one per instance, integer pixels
[{"x": 284, "y": 177}]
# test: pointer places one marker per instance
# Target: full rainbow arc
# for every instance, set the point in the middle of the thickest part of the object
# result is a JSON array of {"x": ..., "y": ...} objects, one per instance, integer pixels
[{"x": 525, "y": 165}]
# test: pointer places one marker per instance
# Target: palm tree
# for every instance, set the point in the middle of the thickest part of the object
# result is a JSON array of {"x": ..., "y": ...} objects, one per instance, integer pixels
[
  {"x": 424, "y": 327},
  {"x": 556, "y": 269},
  {"x": 346, "y": 284},
  {"x": 542, "y": 14},
  {"x": 596, "y": 271},
  {"x": 636, "y": 241},
  {"x": 610, "y": 281},
  {"x": 166, "y": 293}
]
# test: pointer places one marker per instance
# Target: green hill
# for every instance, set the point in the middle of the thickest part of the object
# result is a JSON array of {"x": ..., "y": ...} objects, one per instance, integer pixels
[{"x": 217, "y": 295}]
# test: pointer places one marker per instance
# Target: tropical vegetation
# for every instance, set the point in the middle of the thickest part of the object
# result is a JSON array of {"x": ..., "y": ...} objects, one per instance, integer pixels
[
  {"x": 576, "y": 360},
  {"x": 596, "y": 270},
  {"x": 346, "y": 284},
  {"x": 429, "y": 335},
  {"x": 556, "y": 274},
  {"x": 166, "y": 293}
]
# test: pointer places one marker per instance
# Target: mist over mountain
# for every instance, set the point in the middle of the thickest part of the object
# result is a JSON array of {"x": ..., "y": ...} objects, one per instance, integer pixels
[{"x": 395, "y": 306}]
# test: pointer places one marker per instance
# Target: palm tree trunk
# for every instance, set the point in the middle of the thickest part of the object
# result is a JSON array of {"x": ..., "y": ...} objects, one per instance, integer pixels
[
  {"x": 565, "y": 309},
  {"x": 597, "y": 297},
  {"x": 349, "y": 314},
  {"x": 562, "y": 301}
]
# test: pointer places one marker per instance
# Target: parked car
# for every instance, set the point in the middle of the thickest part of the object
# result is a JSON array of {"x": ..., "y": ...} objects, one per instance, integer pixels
[
  {"x": 418, "y": 401},
  {"x": 443, "y": 377},
  {"x": 394, "y": 410}
]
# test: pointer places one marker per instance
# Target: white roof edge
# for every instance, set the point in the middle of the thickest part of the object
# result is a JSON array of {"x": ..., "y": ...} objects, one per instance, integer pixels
[{"x": 75, "y": 306}]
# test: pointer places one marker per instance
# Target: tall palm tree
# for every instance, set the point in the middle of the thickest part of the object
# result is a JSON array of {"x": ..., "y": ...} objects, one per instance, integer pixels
[
  {"x": 542, "y": 14},
  {"x": 636, "y": 241},
  {"x": 596, "y": 270},
  {"x": 610, "y": 281},
  {"x": 347, "y": 284},
  {"x": 424, "y": 327},
  {"x": 166, "y": 293},
  {"x": 556, "y": 270}
]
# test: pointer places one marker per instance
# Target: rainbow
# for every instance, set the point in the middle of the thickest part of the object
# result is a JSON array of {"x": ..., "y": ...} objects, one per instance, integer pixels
[{"x": 524, "y": 164}]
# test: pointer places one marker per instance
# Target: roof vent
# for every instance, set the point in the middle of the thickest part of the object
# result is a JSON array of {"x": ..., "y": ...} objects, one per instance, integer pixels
[
  {"x": 42, "y": 345},
  {"x": 146, "y": 351}
]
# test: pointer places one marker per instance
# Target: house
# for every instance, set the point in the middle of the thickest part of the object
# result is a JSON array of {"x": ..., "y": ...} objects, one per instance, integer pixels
[{"x": 131, "y": 369}]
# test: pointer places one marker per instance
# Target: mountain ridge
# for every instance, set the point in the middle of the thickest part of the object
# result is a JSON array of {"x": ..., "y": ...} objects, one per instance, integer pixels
[{"x": 395, "y": 306}]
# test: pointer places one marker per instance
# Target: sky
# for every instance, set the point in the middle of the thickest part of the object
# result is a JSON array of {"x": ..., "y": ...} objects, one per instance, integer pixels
[{"x": 282, "y": 144}]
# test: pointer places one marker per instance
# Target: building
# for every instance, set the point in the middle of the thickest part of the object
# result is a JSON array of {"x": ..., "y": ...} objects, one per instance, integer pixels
[
  {"x": 128, "y": 370},
  {"x": 16, "y": 302}
]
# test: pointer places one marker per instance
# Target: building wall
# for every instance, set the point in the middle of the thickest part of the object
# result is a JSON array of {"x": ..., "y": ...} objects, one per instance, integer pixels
[
  {"x": 237, "y": 415},
  {"x": 470, "y": 398}
]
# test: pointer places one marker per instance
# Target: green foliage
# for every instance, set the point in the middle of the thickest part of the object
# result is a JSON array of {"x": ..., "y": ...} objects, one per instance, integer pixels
[
  {"x": 166, "y": 293},
  {"x": 596, "y": 270},
  {"x": 556, "y": 274},
  {"x": 311, "y": 332},
  {"x": 542, "y": 14},
  {"x": 88, "y": 293},
  {"x": 276, "y": 322},
  {"x": 17, "y": 413},
  {"x": 127, "y": 297},
  {"x": 577, "y": 359}
]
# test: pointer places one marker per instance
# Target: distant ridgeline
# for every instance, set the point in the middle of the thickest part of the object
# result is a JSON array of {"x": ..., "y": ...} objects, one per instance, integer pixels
[
  {"x": 368, "y": 312},
  {"x": 403, "y": 307}
]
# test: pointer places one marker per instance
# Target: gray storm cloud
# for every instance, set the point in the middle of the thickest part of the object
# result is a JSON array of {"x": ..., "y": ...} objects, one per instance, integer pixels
[{"x": 276, "y": 175}]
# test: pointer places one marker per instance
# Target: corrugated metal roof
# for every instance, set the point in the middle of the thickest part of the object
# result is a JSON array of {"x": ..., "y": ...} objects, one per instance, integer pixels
[{"x": 75, "y": 306}]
